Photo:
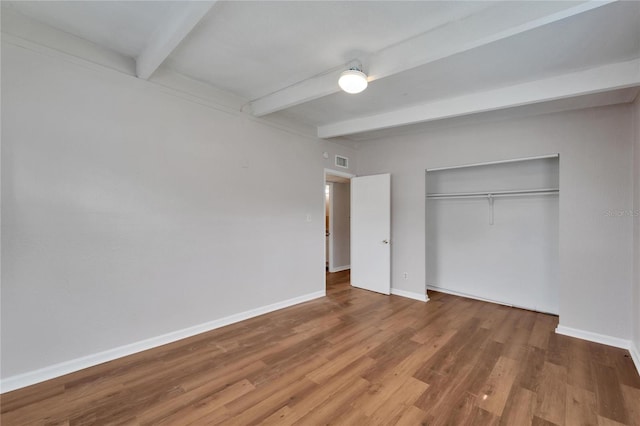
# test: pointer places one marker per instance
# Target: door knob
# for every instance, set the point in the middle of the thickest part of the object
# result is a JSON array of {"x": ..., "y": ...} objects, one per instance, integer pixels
[{"x": 385, "y": 241}]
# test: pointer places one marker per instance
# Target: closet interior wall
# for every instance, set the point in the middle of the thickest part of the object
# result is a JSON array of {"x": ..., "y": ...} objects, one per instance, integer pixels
[{"x": 492, "y": 232}]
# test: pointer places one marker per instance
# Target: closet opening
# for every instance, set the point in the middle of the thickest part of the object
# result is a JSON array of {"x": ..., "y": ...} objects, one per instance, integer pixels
[{"x": 492, "y": 231}]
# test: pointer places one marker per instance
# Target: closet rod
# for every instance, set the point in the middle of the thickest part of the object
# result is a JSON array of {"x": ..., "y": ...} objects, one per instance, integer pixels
[{"x": 543, "y": 191}]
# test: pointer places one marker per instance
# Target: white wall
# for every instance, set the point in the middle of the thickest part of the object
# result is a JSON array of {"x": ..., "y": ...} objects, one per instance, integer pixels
[
  {"x": 595, "y": 177},
  {"x": 129, "y": 212},
  {"x": 341, "y": 225},
  {"x": 636, "y": 233}
]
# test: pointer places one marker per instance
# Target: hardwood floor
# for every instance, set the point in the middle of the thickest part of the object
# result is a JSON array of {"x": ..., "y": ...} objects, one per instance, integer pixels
[{"x": 354, "y": 358}]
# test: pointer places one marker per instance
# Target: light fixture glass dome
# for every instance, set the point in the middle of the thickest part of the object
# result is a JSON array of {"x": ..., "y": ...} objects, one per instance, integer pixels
[{"x": 353, "y": 81}]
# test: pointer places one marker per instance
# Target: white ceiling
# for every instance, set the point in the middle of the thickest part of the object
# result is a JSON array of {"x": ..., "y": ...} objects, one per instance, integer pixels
[
  {"x": 124, "y": 26},
  {"x": 259, "y": 47},
  {"x": 613, "y": 35},
  {"x": 284, "y": 56}
]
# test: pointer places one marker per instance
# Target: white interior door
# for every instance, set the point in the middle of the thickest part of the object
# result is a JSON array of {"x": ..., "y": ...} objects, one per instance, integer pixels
[{"x": 371, "y": 233}]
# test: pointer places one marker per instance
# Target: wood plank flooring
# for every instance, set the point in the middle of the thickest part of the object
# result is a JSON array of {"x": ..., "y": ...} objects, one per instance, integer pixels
[{"x": 353, "y": 358}]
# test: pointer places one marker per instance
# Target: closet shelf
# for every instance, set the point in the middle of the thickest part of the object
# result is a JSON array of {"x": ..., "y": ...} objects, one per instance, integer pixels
[{"x": 515, "y": 193}]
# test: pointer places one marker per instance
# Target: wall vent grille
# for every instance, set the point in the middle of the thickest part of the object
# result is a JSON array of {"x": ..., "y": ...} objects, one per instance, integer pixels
[{"x": 342, "y": 162}]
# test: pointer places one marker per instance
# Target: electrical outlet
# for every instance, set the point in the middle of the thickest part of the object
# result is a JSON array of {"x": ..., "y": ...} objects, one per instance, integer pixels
[{"x": 405, "y": 275}]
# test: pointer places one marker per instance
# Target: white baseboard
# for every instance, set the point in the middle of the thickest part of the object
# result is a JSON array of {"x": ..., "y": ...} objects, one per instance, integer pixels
[
  {"x": 60, "y": 369},
  {"x": 482, "y": 299},
  {"x": 468, "y": 296},
  {"x": 339, "y": 268},
  {"x": 635, "y": 355},
  {"x": 594, "y": 337},
  {"x": 410, "y": 294}
]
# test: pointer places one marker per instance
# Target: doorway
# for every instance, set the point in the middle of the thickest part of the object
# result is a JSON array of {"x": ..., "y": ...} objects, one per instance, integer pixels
[{"x": 337, "y": 226}]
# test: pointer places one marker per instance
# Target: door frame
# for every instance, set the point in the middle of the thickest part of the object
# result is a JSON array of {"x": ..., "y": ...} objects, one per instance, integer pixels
[
  {"x": 328, "y": 241},
  {"x": 340, "y": 174}
]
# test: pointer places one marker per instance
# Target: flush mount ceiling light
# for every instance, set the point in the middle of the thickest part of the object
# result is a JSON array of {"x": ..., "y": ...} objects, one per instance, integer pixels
[{"x": 353, "y": 81}]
